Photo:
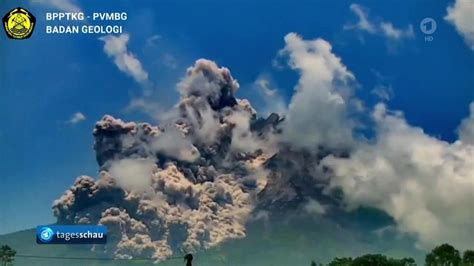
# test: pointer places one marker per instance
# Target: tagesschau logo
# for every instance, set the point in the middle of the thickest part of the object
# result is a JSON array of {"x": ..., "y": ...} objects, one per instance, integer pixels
[{"x": 71, "y": 234}]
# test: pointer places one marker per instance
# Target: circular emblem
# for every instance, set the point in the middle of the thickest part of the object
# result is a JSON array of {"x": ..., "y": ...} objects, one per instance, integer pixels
[
  {"x": 428, "y": 26},
  {"x": 46, "y": 234},
  {"x": 19, "y": 23}
]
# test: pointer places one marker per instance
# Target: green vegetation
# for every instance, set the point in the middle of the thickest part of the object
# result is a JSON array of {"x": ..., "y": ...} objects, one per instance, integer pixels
[
  {"x": 468, "y": 257},
  {"x": 443, "y": 255},
  {"x": 7, "y": 255},
  {"x": 341, "y": 262}
]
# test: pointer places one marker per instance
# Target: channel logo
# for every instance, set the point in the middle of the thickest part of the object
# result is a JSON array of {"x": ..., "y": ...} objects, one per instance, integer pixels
[
  {"x": 428, "y": 26},
  {"x": 71, "y": 234},
  {"x": 46, "y": 234}
]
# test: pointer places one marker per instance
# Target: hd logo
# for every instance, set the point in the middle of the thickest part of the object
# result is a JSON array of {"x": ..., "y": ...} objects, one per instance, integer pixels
[{"x": 19, "y": 23}]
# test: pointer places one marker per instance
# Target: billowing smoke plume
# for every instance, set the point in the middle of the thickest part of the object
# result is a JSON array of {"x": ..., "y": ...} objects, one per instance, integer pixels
[
  {"x": 425, "y": 184},
  {"x": 318, "y": 112},
  {"x": 189, "y": 184},
  {"x": 212, "y": 165}
]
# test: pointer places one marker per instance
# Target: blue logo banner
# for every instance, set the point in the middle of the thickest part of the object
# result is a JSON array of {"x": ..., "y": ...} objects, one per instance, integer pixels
[{"x": 71, "y": 234}]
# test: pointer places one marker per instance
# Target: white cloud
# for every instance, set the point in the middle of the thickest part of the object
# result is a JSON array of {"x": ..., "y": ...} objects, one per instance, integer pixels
[
  {"x": 425, "y": 184},
  {"x": 363, "y": 24},
  {"x": 272, "y": 99},
  {"x": 173, "y": 143},
  {"x": 151, "y": 41},
  {"x": 206, "y": 123},
  {"x": 396, "y": 34},
  {"x": 466, "y": 129},
  {"x": 314, "y": 207},
  {"x": 461, "y": 15},
  {"x": 169, "y": 61},
  {"x": 242, "y": 138},
  {"x": 152, "y": 107},
  {"x": 317, "y": 113},
  {"x": 77, "y": 118},
  {"x": 116, "y": 47},
  {"x": 384, "y": 92},
  {"x": 62, "y": 5},
  {"x": 264, "y": 86},
  {"x": 384, "y": 28},
  {"x": 133, "y": 174}
]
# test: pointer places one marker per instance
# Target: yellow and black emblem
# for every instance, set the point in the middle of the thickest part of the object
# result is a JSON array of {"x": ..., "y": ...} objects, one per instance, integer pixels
[{"x": 19, "y": 23}]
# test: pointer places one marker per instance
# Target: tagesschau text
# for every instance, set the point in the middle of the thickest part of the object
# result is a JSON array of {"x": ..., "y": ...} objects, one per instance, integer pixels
[
  {"x": 71, "y": 234},
  {"x": 81, "y": 23}
]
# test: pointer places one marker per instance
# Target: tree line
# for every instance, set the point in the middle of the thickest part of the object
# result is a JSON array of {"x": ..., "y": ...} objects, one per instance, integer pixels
[{"x": 443, "y": 255}]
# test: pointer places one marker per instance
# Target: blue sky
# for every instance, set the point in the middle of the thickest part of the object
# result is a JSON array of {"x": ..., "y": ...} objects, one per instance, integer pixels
[{"x": 48, "y": 78}]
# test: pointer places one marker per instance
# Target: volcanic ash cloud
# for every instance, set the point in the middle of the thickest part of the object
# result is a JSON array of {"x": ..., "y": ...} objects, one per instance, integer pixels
[{"x": 187, "y": 184}]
